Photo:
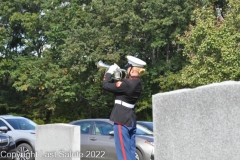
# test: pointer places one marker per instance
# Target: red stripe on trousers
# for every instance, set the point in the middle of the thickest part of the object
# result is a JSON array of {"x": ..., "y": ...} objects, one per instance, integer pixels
[{"x": 121, "y": 142}]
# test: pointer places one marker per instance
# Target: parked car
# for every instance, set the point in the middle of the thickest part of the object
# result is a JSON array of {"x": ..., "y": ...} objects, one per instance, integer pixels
[
  {"x": 7, "y": 145},
  {"x": 145, "y": 133},
  {"x": 146, "y": 124},
  {"x": 22, "y": 130},
  {"x": 97, "y": 141}
]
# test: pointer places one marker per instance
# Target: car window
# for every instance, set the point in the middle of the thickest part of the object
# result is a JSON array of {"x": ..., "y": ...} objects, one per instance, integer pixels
[
  {"x": 102, "y": 128},
  {"x": 143, "y": 130},
  {"x": 147, "y": 125},
  {"x": 2, "y": 124},
  {"x": 22, "y": 124},
  {"x": 84, "y": 126}
]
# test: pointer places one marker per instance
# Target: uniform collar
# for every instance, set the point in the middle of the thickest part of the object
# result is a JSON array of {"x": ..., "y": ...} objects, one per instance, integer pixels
[{"x": 134, "y": 77}]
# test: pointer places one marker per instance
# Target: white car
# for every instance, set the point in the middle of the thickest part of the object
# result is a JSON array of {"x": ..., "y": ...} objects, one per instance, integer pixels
[{"x": 22, "y": 130}]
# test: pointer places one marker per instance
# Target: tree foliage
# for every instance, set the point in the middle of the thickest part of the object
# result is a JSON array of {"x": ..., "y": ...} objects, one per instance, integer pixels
[
  {"x": 49, "y": 51},
  {"x": 212, "y": 47}
]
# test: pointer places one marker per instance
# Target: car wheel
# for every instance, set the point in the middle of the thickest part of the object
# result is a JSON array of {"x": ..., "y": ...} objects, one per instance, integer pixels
[
  {"x": 138, "y": 155},
  {"x": 25, "y": 152}
]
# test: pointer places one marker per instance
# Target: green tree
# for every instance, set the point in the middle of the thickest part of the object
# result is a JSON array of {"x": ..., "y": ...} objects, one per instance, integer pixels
[
  {"x": 22, "y": 39},
  {"x": 55, "y": 74},
  {"x": 22, "y": 33},
  {"x": 212, "y": 47}
]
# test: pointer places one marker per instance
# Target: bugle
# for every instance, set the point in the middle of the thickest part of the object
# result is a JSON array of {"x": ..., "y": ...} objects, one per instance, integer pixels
[{"x": 119, "y": 74}]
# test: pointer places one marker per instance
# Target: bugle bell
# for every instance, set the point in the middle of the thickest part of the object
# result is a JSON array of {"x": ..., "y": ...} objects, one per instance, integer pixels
[{"x": 119, "y": 74}]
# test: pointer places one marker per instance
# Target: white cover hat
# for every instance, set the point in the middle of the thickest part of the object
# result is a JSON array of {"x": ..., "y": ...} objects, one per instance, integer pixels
[{"x": 135, "y": 62}]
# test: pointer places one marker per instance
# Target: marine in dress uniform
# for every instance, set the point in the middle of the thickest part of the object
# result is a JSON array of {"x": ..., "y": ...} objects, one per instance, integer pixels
[{"x": 127, "y": 92}]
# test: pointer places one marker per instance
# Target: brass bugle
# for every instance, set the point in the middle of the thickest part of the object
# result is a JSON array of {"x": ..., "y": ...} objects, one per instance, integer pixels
[{"x": 119, "y": 74}]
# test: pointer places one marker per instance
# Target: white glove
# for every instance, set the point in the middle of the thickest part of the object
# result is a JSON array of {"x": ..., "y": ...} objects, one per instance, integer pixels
[
  {"x": 117, "y": 66},
  {"x": 113, "y": 68}
]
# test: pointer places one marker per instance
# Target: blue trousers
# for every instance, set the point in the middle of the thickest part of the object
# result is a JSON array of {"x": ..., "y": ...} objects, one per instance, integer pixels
[{"x": 125, "y": 144}]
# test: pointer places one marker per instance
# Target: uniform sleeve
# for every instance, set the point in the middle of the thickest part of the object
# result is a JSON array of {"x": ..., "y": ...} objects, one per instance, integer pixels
[{"x": 114, "y": 86}]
